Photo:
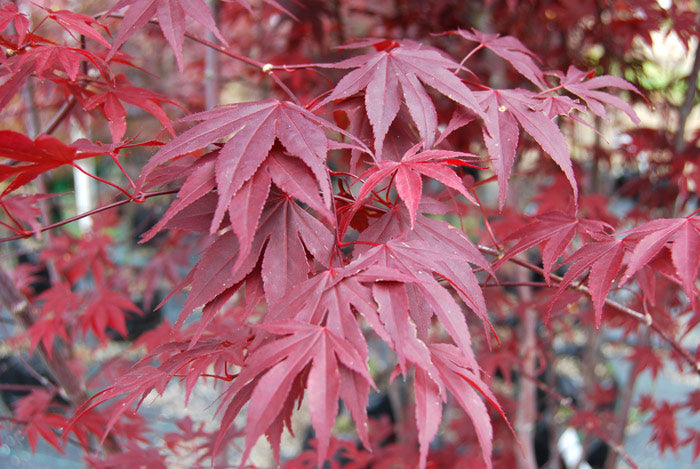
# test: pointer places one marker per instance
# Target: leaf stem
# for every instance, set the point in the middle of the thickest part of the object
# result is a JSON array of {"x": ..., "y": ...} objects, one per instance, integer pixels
[{"x": 141, "y": 197}]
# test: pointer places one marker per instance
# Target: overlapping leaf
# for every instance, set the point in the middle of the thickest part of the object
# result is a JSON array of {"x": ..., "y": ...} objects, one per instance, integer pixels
[
  {"x": 284, "y": 234},
  {"x": 253, "y": 128},
  {"x": 510, "y": 49},
  {"x": 604, "y": 259},
  {"x": 274, "y": 366},
  {"x": 408, "y": 65},
  {"x": 524, "y": 107},
  {"x": 683, "y": 234},
  {"x": 110, "y": 97},
  {"x": 554, "y": 231},
  {"x": 407, "y": 174},
  {"x": 589, "y": 90},
  {"x": 32, "y": 157},
  {"x": 171, "y": 19}
]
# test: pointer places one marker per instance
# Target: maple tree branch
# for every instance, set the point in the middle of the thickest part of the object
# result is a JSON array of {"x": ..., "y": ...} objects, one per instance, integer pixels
[
  {"x": 562, "y": 400},
  {"x": 687, "y": 106},
  {"x": 94, "y": 211},
  {"x": 525, "y": 414},
  {"x": 59, "y": 117},
  {"x": 643, "y": 318}
]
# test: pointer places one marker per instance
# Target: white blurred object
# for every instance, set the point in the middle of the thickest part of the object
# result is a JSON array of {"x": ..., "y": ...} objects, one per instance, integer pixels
[
  {"x": 85, "y": 190},
  {"x": 571, "y": 451}
]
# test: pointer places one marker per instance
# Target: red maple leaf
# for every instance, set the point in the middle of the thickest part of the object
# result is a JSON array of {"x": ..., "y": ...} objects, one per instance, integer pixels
[
  {"x": 107, "y": 309},
  {"x": 171, "y": 19},
  {"x": 55, "y": 318},
  {"x": 604, "y": 258},
  {"x": 581, "y": 84},
  {"x": 510, "y": 49},
  {"x": 32, "y": 157},
  {"x": 554, "y": 231},
  {"x": 663, "y": 422},
  {"x": 273, "y": 367},
  {"x": 35, "y": 411},
  {"x": 110, "y": 96},
  {"x": 645, "y": 358},
  {"x": 684, "y": 236},
  {"x": 255, "y": 128},
  {"x": 407, "y": 175},
  {"x": 24, "y": 208},
  {"x": 73, "y": 23},
  {"x": 9, "y": 13},
  {"x": 406, "y": 64}
]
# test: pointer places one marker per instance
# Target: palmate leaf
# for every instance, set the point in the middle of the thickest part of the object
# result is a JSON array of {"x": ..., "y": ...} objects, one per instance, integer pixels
[
  {"x": 409, "y": 65},
  {"x": 272, "y": 369},
  {"x": 407, "y": 173},
  {"x": 554, "y": 231},
  {"x": 285, "y": 232},
  {"x": 171, "y": 19},
  {"x": 510, "y": 49},
  {"x": 30, "y": 158},
  {"x": 524, "y": 107},
  {"x": 77, "y": 25},
  {"x": 684, "y": 236},
  {"x": 604, "y": 259},
  {"x": 575, "y": 81},
  {"x": 10, "y": 14},
  {"x": 254, "y": 128},
  {"x": 109, "y": 99}
]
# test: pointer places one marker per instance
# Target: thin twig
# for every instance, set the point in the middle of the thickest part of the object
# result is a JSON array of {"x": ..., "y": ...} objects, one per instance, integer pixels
[
  {"x": 687, "y": 106},
  {"x": 643, "y": 318},
  {"x": 142, "y": 197},
  {"x": 567, "y": 402}
]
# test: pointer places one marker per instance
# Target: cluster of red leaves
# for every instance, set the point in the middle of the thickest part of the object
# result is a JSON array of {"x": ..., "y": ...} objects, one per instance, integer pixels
[{"x": 328, "y": 260}]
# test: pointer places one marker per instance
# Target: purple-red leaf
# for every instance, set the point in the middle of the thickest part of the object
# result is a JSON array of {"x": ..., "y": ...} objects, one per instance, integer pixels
[{"x": 171, "y": 18}]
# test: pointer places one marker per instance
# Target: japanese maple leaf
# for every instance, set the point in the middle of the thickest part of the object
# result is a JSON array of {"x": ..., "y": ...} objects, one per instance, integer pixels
[
  {"x": 429, "y": 297},
  {"x": 107, "y": 309},
  {"x": 171, "y": 19},
  {"x": 34, "y": 410},
  {"x": 274, "y": 366},
  {"x": 693, "y": 401},
  {"x": 45, "y": 59},
  {"x": 663, "y": 423},
  {"x": 684, "y": 236},
  {"x": 510, "y": 49},
  {"x": 77, "y": 23},
  {"x": 192, "y": 207},
  {"x": 575, "y": 82},
  {"x": 24, "y": 208},
  {"x": 645, "y": 358},
  {"x": 524, "y": 107},
  {"x": 255, "y": 127},
  {"x": 407, "y": 65},
  {"x": 501, "y": 142},
  {"x": 334, "y": 297},
  {"x": 554, "y": 231},
  {"x": 462, "y": 379},
  {"x": 284, "y": 234},
  {"x": 603, "y": 258},
  {"x": 110, "y": 97},
  {"x": 58, "y": 304},
  {"x": 432, "y": 246},
  {"x": 407, "y": 175},
  {"x": 10, "y": 14},
  {"x": 393, "y": 305}
]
